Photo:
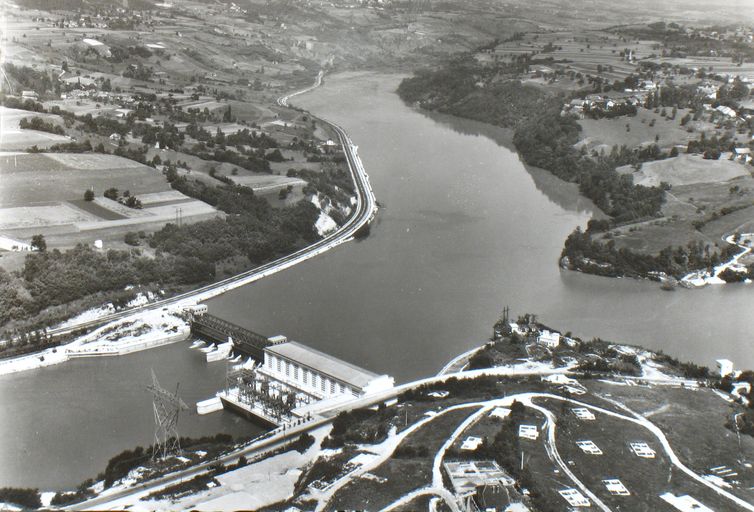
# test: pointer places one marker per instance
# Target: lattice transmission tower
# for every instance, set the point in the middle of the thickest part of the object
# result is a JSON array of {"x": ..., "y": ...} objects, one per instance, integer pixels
[{"x": 167, "y": 406}]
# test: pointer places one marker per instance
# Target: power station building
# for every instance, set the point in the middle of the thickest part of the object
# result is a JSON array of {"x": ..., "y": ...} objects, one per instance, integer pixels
[
  {"x": 317, "y": 374},
  {"x": 293, "y": 381}
]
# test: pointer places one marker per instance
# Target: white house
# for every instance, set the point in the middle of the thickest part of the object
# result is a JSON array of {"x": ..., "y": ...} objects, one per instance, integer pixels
[
  {"x": 743, "y": 154},
  {"x": 725, "y": 366},
  {"x": 549, "y": 339},
  {"x": 726, "y": 111}
]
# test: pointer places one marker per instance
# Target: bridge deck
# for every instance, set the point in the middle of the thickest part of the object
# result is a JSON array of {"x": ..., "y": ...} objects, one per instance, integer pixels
[{"x": 216, "y": 329}]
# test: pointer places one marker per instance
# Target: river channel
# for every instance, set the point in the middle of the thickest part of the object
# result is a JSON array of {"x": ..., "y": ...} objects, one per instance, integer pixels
[{"x": 464, "y": 229}]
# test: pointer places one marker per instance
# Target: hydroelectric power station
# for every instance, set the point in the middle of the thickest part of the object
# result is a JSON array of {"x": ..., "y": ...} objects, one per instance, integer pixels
[{"x": 281, "y": 381}]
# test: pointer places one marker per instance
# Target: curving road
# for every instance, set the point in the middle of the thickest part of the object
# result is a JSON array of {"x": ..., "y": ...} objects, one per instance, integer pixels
[{"x": 366, "y": 208}]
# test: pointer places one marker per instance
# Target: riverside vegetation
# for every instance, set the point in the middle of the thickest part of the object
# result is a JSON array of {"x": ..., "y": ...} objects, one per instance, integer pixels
[{"x": 545, "y": 137}]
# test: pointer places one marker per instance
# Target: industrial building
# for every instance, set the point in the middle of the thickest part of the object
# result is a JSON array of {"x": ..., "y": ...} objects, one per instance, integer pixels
[
  {"x": 293, "y": 379},
  {"x": 317, "y": 374}
]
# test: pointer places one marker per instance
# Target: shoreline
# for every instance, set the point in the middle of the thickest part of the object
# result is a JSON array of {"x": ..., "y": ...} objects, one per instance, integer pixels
[
  {"x": 652, "y": 373},
  {"x": 365, "y": 210}
]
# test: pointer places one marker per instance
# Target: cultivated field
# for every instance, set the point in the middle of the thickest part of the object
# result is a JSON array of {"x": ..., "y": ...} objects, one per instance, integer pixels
[
  {"x": 34, "y": 178},
  {"x": 42, "y": 193},
  {"x": 14, "y": 138}
]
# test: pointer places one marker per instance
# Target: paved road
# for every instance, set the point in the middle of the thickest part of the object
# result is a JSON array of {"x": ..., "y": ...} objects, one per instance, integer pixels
[{"x": 366, "y": 208}]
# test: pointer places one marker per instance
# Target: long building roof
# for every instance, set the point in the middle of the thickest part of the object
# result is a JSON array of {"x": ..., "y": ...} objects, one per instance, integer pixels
[{"x": 323, "y": 363}]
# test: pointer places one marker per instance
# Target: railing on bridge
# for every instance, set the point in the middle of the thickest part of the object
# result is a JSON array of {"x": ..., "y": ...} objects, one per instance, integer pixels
[{"x": 216, "y": 329}]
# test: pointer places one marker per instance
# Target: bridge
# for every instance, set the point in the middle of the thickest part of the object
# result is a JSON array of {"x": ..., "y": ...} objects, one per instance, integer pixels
[{"x": 218, "y": 330}]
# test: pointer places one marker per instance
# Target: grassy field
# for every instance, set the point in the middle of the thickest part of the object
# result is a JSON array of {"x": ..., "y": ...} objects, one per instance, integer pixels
[
  {"x": 645, "y": 478},
  {"x": 673, "y": 410},
  {"x": 685, "y": 170},
  {"x": 718, "y": 65},
  {"x": 391, "y": 482},
  {"x": 597, "y": 133},
  {"x": 696, "y": 196},
  {"x": 12, "y": 137}
]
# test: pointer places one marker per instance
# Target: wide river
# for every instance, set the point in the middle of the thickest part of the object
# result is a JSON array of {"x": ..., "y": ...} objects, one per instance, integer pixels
[{"x": 464, "y": 229}]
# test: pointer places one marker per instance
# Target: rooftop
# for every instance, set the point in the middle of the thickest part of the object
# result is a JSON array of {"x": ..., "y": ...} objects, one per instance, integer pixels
[
  {"x": 323, "y": 363},
  {"x": 467, "y": 475}
]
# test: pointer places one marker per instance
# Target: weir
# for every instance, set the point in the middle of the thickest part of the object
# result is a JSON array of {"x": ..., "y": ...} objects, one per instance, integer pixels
[{"x": 218, "y": 330}]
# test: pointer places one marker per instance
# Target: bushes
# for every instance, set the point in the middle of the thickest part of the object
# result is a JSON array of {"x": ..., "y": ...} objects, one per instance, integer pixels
[
  {"x": 120, "y": 465},
  {"x": 39, "y": 124},
  {"x": 359, "y": 426},
  {"x": 302, "y": 443},
  {"x": 26, "y": 498}
]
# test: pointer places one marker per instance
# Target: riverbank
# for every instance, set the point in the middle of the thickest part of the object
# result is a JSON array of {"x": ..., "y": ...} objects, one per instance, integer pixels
[
  {"x": 650, "y": 232},
  {"x": 147, "y": 330},
  {"x": 364, "y": 210},
  {"x": 629, "y": 373}
]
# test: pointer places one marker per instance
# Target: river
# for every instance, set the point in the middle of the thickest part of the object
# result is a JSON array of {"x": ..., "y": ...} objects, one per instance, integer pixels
[{"x": 464, "y": 229}]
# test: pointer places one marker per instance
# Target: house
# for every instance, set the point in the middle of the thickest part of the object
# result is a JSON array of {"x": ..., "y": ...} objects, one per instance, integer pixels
[
  {"x": 743, "y": 154},
  {"x": 726, "y": 111},
  {"x": 29, "y": 95},
  {"x": 725, "y": 367},
  {"x": 559, "y": 378},
  {"x": 549, "y": 339}
]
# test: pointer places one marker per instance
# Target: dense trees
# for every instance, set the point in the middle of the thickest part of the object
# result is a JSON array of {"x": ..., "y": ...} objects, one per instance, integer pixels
[
  {"x": 37, "y": 123},
  {"x": 38, "y": 242},
  {"x": 602, "y": 258},
  {"x": 26, "y": 498}
]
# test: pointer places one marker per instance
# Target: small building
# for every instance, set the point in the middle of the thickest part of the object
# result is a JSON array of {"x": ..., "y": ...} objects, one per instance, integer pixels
[
  {"x": 550, "y": 339},
  {"x": 466, "y": 476},
  {"x": 616, "y": 487},
  {"x": 642, "y": 450},
  {"x": 743, "y": 154},
  {"x": 684, "y": 503},
  {"x": 528, "y": 432},
  {"x": 196, "y": 309},
  {"x": 574, "y": 498},
  {"x": 560, "y": 379},
  {"x": 589, "y": 447},
  {"x": 471, "y": 443},
  {"x": 725, "y": 367},
  {"x": 9, "y": 244},
  {"x": 29, "y": 95},
  {"x": 726, "y": 111},
  {"x": 583, "y": 414}
]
